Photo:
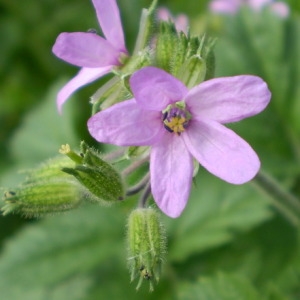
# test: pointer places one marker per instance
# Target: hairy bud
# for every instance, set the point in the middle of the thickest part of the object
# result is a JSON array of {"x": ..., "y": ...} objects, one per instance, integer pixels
[
  {"x": 146, "y": 246},
  {"x": 95, "y": 174},
  {"x": 45, "y": 191}
]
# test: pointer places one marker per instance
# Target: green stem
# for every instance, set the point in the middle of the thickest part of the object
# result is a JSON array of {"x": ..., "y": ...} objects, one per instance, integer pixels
[
  {"x": 145, "y": 196},
  {"x": 285, "y": 202},
  {"x": 135, "y": 165},
  {"x": 146, "y": 27},
  {"x": 139, "y": 186}
]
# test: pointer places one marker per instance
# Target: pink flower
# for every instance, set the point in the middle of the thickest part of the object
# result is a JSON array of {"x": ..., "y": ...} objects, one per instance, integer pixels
[
  {"x": 232, "y": 6},
  {"x": 94, "y": 54},
  {"x": 181, "y": 21},
  {"x": 179, "y": 124}
]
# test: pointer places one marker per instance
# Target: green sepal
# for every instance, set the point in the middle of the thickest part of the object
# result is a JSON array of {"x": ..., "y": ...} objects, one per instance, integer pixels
[
  {"x": 193, "y": 71},
  {"x": 99, "y": 177},
  {"x": 45, "y": 191},
  {"x": 210, "y": 65},
  {"x": 166, "y": 41},
  {"x": 146, "y": 27},
  {"x": 42, "y": 198},
  {"x": 146, "y": 246},
  {"x": 179, "y": 53},
  {"x": 103, "y": 182}
]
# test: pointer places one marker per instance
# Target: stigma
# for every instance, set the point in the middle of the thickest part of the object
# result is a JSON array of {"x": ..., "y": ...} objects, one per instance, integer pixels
[{"x": 176, "y": 118}]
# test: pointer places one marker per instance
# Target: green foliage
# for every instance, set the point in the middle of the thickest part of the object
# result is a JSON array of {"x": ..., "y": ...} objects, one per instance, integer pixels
[
  {"x": 215, "y": 215},
  {"x": 222, "y": 286}
]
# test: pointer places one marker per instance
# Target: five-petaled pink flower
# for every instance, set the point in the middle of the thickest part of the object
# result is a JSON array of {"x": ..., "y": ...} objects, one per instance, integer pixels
[
  {"x": 179, "y": 124},
  {"x": 232, "y": 6},
  {"x": 97, "y": 56}
]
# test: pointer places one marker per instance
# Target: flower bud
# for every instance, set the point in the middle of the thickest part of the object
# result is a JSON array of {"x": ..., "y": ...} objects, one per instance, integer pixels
[
  {"x": 166, "y": 41},
  {"x": 95, "y": 174},
  {"x": 146, "y": 246},
  {"x": 193, "y": 71},
  {"x": 45, "y": 191}
]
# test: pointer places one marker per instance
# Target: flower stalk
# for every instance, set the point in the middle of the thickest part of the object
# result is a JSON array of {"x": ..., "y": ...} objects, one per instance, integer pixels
[{"x": 286, "y": 203}]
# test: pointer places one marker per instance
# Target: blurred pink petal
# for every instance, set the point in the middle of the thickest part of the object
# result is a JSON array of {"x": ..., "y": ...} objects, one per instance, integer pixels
[
  {"x": 181, "y": 21},
  {"x": 281, "y": 9},
  {"x": 232, "y": 6},
  {"x": 224, "y": 6}
]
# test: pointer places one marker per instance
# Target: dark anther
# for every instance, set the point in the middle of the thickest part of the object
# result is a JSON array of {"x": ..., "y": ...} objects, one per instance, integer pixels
[
  {"x": 168, "y": 128},
  {"x": 165, "y": 114}
]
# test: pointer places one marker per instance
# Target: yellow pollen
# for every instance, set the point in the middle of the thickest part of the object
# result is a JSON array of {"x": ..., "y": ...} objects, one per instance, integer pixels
[{"x": 176, "y": 124}]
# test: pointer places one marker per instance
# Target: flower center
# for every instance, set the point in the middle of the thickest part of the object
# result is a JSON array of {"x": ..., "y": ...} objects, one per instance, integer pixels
[{"x": 176, "y": 118}]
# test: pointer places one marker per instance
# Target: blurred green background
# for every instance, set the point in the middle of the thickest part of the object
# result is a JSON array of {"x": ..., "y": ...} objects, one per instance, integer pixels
[{"x": 232, "y": 242}]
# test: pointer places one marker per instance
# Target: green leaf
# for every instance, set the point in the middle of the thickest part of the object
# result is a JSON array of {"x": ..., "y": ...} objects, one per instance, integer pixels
[
  {"x": 267, "y": 46},
  {"x": 50, "y": 257},
  {"x": 216, "y": 213},
  {"x": 219, "y": 287},
  {"x": 43, "y": 131}
]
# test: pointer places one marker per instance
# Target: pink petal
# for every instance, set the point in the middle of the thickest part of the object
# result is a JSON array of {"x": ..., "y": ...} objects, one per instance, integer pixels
[
  {"x": 281, "y": 9},
  {"x": 126, "y": 124},
  {"x": 171, "y": 169},
  {"x": 85, "y": 76},
  {"x": 85, "y": 49},
  {"x": 221, "y": 151},
  {"x": 228, "y": 99},
  {"x": 182, "y": 23},
  {"x": 225, "y": 6},
  {"x": 155, "y": 89},
  {"x": 258, "y": 4},
  {"x": 109, "y": 19},
  {"x": 164, "y": 14}
]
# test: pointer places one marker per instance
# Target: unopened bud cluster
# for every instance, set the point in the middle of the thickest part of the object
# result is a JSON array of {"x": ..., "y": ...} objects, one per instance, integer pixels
[
  {"x": 190, "y": 59},
  {"x": 146, "y": 246}
]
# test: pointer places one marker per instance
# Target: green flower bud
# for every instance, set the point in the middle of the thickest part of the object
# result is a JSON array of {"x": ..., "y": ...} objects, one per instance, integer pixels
[
  {"x": 166, "y": 41},
  {"x": 146, "y": 246},
  {"x": 190, "y": 59},
  {"x": 193, "y": 71},
  {"x": 45, "y": 191},
  {"x": 210, "y": 65},
  {"x": 95, "y": 174}
]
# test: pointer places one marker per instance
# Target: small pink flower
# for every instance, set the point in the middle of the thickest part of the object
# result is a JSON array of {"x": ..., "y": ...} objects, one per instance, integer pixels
[
  {"x": 179, "y": 124},
  {"x": 181, "y": 21},
  {"x": 94, "y": 54},
  {"x": 232, "y": 6}
]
